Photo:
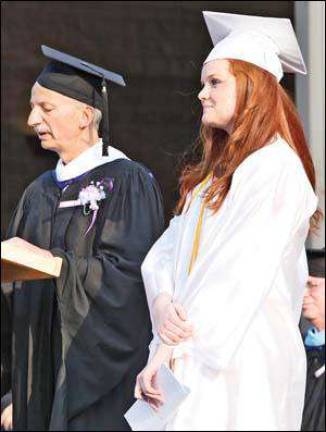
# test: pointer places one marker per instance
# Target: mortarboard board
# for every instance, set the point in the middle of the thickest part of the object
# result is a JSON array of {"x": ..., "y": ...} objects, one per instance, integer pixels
[
  {"x": 79, "y": 80},
  {"x": 269, "y": 43}
]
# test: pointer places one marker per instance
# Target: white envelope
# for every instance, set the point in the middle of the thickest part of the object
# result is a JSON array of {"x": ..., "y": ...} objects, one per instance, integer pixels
[{"x": 141, "y": 417}]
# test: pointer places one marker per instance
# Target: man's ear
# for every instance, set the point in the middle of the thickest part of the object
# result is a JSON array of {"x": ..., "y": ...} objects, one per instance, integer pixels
[{"x": 87, "y": 116}]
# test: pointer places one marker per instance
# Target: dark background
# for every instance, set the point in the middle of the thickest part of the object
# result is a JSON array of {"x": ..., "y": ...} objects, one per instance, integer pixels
[{"x": 157, "y": 46}]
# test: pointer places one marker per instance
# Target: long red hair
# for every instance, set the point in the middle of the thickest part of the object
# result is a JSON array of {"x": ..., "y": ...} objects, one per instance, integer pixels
[{"x": 263, "y": 109}]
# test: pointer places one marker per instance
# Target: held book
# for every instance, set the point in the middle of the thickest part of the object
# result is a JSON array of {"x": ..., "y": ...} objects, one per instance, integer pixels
[
  {"x": 20, "y": 264},
  {"x": 142, "y": 417}
]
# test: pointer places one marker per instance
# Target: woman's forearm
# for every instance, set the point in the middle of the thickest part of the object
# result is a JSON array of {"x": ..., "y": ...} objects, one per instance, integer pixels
[
  {"x": 159, "y": 305},
  {"x": 163, "y": 354}
]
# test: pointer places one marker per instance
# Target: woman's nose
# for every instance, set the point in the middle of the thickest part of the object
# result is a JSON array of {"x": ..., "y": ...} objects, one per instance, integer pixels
[{"x": 203, "y": 94}]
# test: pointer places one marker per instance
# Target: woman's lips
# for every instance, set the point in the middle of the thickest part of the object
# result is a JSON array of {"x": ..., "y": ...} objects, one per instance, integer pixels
[{"x": 207, "y": 107}]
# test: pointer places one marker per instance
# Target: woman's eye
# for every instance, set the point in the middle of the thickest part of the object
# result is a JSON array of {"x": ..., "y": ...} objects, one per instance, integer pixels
[{"x": 214, "y": 82}]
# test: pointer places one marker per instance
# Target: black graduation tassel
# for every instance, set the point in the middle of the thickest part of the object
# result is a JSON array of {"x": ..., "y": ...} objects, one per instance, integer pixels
[{"x": 105, "y": 120}]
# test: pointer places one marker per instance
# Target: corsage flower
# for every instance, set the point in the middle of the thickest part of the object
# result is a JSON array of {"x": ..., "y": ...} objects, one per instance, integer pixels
[{"x": 89, "y": 197}]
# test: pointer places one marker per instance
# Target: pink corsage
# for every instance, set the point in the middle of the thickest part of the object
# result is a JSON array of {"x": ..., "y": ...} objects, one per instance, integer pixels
[{"x": 89, "y": 197}]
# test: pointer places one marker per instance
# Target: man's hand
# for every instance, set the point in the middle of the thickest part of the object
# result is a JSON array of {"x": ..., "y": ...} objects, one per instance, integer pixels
[
  {"x": 173, "y": 327},
  {"x": 23, "y": 244},
  {"x": 314, "y": 302},
  {"x": 6, "y": 418}
]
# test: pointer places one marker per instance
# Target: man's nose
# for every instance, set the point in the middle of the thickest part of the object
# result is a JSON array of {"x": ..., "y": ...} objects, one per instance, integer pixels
[{"x": 34, "y": 117}]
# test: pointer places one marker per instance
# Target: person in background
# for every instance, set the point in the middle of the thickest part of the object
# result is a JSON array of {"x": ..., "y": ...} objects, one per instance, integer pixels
[{"x": 312, "y": 325}]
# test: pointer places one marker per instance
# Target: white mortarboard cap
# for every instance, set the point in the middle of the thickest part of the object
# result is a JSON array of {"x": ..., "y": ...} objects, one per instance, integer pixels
[{"x": 269, "y": 43}]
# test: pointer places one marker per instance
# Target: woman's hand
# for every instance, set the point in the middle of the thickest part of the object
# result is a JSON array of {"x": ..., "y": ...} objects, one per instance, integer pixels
[
  {"x": 173, "y": 327},
  {"x": 146, "y": 385}
]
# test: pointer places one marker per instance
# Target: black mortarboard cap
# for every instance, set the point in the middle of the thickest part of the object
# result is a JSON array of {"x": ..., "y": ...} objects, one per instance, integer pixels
[
  {"x": 80, "y": 80},
  {"x": 316, "y": 262}
]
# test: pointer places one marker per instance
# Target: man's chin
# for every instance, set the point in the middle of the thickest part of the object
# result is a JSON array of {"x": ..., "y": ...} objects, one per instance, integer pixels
[{"x": 48, "y": 144}]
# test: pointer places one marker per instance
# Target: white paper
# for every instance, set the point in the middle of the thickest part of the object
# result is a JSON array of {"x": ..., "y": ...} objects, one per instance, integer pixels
[{"x": 141, "y": 417}]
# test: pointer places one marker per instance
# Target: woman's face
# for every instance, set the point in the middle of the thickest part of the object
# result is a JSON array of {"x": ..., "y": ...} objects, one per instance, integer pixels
[{"x": 218, "y": 95}]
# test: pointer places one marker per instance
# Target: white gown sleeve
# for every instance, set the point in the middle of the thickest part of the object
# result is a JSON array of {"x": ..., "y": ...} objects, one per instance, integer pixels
[
  {"x": 158, "y": 272},
  {"x": 157, "y": 268},
  {"x": 236, "y": 270}
]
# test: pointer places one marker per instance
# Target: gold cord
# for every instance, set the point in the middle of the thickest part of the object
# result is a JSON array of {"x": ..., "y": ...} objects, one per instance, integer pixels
[{"x": 196, "y": 243}]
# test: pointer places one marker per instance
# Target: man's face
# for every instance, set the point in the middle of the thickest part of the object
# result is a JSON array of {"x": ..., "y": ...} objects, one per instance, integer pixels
[
  {"x": 314, "y": 300},
  {"x": 55, "y": 118}
]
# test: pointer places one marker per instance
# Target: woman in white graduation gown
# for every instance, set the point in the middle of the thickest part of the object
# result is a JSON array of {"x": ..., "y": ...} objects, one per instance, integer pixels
[{"x": 225, "y": 282}]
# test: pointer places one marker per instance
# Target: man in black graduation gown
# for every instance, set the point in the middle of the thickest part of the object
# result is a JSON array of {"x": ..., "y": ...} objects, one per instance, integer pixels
[
  {"x": 79, "y": 341},
  {"x": 312, "y": 325}
]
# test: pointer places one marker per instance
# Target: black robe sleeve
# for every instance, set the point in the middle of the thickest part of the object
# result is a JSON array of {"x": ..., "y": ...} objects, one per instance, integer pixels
[
  {"x": 6, "y": 313},
  {"x": 6, "y": 332},
  {"x": 105, "y": 323},
  {"x": 32, "y": 312}
]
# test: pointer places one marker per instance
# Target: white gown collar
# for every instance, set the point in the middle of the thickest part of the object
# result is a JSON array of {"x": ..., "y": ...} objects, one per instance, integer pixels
[{"x": 86, "y": 161}]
